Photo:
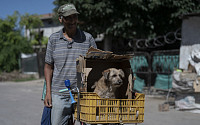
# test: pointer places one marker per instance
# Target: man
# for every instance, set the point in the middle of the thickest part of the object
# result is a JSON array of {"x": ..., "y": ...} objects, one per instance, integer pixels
[{"x": 63, "y": 48}]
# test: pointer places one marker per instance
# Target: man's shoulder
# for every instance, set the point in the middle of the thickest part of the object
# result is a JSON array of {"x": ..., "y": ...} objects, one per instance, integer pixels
[
  {"x": 55, "y": 35},
  {"x": 87, "y": 34}
]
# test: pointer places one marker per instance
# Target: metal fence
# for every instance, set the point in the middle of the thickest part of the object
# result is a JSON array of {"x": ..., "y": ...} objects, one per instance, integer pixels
[
  {"x": 33, "y": 63},
  {"x": 154, "y": 69}
]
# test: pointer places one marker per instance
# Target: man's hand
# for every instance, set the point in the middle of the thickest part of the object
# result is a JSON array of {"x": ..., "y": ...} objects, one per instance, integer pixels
[{"x": 47, "y": 100}]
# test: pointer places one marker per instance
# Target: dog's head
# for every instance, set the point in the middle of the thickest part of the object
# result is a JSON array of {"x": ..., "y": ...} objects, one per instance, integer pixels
[{"x": 114, "y": 76}]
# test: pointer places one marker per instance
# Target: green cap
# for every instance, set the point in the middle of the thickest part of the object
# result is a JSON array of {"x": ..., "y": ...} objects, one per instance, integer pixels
[{"x": 67, "y": 9}]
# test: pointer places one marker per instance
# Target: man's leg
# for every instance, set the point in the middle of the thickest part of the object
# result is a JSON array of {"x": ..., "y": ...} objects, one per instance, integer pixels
[{"x": 61, "y": 110}]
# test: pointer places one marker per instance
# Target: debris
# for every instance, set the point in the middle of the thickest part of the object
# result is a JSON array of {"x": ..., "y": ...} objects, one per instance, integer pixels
[
  {"x": 164, "y": 107},
  {"x": 188, "y": 104}
]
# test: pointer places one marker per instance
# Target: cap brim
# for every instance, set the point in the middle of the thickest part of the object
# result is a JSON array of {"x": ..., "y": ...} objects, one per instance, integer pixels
[{"x": 70, "y": 13}]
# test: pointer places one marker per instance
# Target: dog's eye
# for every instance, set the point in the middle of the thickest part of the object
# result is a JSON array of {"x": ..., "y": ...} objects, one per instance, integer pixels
[{"x": 114, "y": 75}]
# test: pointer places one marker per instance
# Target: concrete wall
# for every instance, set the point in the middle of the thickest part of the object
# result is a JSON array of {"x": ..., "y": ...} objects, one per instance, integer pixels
[
  {"x": 191, "y": 30},
  {"x": 49, "y": 30}
]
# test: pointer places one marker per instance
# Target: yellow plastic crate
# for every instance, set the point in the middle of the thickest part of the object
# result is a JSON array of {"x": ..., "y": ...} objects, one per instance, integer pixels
[{"x": 96, "y": 110}]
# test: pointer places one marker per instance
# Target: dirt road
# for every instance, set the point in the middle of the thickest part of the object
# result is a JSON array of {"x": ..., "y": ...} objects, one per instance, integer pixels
[{"x": 20, "y": 104}]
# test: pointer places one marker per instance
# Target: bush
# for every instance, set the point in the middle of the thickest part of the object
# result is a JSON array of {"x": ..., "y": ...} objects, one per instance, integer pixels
[{"x": 12, "y": 44}]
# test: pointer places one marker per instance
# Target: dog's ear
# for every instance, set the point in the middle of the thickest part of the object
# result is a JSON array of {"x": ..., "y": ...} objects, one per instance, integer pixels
[
  {"x": 122, "y": 73},
  {"x": 105, "y": 73}
]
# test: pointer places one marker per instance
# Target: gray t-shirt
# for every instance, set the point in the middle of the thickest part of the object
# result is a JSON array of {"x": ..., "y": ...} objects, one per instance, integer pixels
[{"x": 62, "y": 54}]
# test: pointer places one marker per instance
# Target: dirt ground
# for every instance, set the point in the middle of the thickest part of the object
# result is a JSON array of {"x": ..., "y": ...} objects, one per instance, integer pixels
[
  {"x": 16, "y": 75},
  {"x": 21, "y": 105}
]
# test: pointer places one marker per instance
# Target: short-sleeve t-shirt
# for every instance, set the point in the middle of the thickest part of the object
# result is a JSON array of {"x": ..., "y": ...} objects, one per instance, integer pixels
[{"x": 62, "y": 54}]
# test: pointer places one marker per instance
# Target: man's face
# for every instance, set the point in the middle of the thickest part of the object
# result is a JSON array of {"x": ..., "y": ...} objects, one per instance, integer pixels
[{"x": 70, "y": 22}]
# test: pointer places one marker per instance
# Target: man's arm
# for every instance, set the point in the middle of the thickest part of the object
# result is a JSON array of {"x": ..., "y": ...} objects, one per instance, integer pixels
[
  {"x": 92, "y": 42},
  {"x": 48, "y": 72}
]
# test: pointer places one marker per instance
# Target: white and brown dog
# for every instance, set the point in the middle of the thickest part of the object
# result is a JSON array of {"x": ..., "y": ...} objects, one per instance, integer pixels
[{"x": 106, "y": 86}]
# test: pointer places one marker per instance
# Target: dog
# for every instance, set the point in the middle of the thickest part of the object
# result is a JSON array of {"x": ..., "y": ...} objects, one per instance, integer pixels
[{"x": 107, "y": 85}]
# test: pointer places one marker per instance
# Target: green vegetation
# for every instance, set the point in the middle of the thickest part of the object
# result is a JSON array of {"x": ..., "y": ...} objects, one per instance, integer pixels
[
  {"x": 30, "y": 22},
  {"x": 12, "y": 42},
  {"x": 117, "y": 19},
  {"x": 131, "y": 18}
]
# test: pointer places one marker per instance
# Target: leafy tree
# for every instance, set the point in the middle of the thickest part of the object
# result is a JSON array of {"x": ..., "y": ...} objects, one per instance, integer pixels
[
  {"x": 12, "y": 43},
  {"x": 128, "y": 19},
  {"x": 30, "y": 22},
  {"x": 44, "y": 41}
]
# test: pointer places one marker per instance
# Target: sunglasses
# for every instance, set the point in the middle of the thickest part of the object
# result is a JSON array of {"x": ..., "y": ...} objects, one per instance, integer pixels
[
  {"x": 71, "y": 17},
  {"x": 69, "y": 45}
]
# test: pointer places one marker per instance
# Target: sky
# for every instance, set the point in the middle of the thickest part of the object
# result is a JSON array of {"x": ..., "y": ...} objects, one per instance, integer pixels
[{"x": 7, "y": 7}]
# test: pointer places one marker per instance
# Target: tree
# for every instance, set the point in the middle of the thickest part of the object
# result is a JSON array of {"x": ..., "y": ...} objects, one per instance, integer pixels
[
  {"x": 30, "y": 22},
  {"x": 12, "y": 43},
  {"x": 128, "y": 19}
]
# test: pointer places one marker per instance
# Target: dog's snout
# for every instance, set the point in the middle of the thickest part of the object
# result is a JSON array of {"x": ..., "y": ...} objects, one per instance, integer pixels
[{"x": 119, "y": 81}]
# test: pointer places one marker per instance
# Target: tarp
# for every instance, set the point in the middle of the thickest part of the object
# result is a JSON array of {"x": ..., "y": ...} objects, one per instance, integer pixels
[
  {"x": 46, "y": 116},
  {"x": 188, "y": 104},
  {"x": 167, "y": 63},
  {"x": 163, "y": 81},
  {"x": 137, "y": 62},
  {"x": 139, "y": 84},
  {"x": 183, "y": 81}
]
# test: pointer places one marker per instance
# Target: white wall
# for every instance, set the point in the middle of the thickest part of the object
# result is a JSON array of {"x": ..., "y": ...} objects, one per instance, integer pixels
[{"x": 48, "y": 31}]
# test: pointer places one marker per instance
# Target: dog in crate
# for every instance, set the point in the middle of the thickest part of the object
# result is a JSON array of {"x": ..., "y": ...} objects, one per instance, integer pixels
[{"x": 107, "y": 85}]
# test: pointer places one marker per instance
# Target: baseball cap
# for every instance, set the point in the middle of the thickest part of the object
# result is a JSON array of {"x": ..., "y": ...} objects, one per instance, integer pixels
[{"x": 67, "y": 9}]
